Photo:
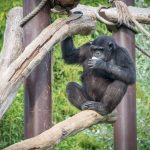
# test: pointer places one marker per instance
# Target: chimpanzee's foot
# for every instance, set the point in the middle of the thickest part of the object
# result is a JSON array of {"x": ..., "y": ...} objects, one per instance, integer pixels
[{"x": 96, "y": 106}]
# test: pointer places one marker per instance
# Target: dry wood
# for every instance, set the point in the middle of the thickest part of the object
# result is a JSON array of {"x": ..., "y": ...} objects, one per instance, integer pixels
[
  {"x": 71, "y": 126},
  {"x": 142, "y": 15},
  {"x": 13, "y": 76},
  {"x": 12, "y": 48},
  {"x": 13, "y": 44}
]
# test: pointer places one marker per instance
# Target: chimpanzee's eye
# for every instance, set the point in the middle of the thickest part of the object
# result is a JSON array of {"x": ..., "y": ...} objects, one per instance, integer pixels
[
  {"x": 97, "y": 53},
  {"x": 93, "y": 48}
]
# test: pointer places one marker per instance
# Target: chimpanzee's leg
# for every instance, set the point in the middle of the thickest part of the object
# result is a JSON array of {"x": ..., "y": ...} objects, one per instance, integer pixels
[
  {"x": 76, "y": 94},
  {"x": 112, "y": 97}
]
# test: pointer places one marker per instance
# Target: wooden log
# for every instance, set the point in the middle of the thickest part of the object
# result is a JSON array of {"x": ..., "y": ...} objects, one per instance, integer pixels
[
  {"x": 12, "y": 48},
  {"x": 50, "y": 138},
  {"x": 142, "y": 15},
  {"x": 13, "y": 76},
  {"x": 13, "y": 36}
]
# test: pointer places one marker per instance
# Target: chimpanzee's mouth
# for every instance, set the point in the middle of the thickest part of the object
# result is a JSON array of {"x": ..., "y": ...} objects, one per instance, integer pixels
[{"x": 99, "y": 55}]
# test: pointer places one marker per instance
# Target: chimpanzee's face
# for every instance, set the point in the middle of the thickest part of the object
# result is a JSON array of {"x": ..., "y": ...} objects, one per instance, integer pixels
[
  {"x": 97, "y": 52},
  {"x": 102, "y": 48}
]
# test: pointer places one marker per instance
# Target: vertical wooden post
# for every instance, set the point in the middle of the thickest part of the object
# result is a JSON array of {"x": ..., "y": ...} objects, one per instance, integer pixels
[
  {"x": 38, "y": 103},
  {"x": 125, "y": 126}
]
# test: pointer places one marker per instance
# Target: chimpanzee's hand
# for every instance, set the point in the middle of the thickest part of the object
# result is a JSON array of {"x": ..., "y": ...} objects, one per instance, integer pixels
[
  {"x": 96, "y": 63},
  {"x": 92, "y": 63}
]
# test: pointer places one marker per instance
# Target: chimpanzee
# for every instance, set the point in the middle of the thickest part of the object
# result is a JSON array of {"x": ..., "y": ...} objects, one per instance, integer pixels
[{"x": 107, "y": 72}]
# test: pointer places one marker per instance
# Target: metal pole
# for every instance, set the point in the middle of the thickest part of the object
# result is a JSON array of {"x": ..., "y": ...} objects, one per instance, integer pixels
[
  {"x": 125, "y": 126},
  {"x": 38, "y": 102}
]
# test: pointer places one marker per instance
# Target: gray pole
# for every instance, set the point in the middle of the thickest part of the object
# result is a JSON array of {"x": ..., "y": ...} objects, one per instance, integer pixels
[
  {"x": 125, "y": 126},
  {"x": 38, "y": 102}
]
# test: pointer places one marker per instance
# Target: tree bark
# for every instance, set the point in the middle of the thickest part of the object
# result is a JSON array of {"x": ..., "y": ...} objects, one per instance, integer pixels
[
  {"x": 50, "y": 138},
  {"x": 12, "y": 48},
  {"x": 13, "y": 45}
]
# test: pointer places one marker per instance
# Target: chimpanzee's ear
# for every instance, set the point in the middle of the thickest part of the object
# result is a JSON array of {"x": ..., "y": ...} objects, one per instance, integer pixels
[{"x": 111, "y": 45}]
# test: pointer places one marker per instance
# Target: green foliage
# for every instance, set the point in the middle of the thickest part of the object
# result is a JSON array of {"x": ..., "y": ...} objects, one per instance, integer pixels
[
  {"x": 142, "y": 3},
  {"x": 99, "y": 136},
  {"x": 94, "y": 3},
  {"x": 11, "y": 126},
  {"x": 84, "y": 142}
]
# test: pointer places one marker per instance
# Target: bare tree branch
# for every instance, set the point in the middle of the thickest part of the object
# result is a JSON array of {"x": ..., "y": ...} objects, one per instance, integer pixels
[
  {"x": 12, "y": 48},
  {"x": 50, "y": 138},
  {"x": 110, "y": 14},
  {"x": 13, "y": 76},
  {"x": 13, "y": 44}
]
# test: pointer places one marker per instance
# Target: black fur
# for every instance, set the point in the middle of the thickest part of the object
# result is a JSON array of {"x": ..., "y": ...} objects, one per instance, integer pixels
[{"x": 105, "y": 77}]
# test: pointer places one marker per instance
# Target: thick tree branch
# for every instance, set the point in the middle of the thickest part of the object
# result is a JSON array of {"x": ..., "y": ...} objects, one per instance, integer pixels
[
  {"x": 12, "y": 48},
  {"x": 12, "y": 77},
  {"x": 13, "y": 36},
  {"x": 71, "y": 126},
  {"x": 142, "y": 15}
]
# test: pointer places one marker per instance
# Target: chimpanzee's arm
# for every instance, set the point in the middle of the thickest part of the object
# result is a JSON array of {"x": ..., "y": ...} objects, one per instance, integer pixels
[
  {"x": 69, "y": 52},
  {"x": 123, "y": 73},
  {"x": 124, "y": 70},
  {"x": 73, "y": 55}
]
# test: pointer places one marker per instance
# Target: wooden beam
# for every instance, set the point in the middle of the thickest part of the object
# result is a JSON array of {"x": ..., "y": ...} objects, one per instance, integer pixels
[
  {"x": 125, "y": 135},
  {"x": 37, "y": 95}
]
